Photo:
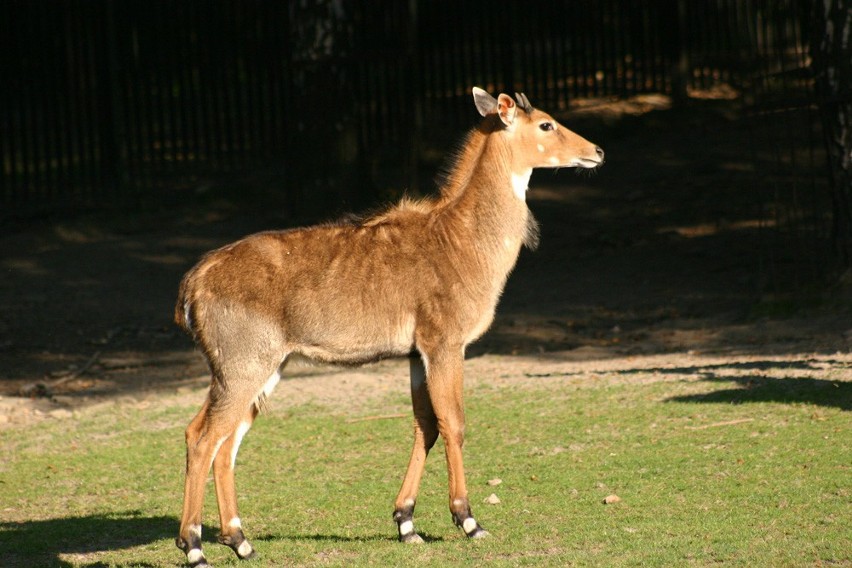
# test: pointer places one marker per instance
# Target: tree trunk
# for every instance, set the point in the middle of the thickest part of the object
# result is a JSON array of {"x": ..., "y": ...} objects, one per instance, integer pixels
[{"x": 831, "y": 48}]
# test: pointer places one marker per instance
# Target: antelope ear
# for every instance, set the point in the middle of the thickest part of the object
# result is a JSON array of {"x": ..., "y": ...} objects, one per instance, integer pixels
[
  {"x": 506, "y": 108},
  {"x": 485, "y": 103}
]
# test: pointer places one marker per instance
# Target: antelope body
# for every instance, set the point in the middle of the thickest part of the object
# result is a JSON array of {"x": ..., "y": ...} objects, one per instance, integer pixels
[{"x": 421, "y": 280}]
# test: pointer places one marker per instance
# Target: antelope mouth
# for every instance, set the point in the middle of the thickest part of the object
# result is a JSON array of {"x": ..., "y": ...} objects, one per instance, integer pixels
[
  {"x": 589, "y": 163},
  {"x": 586, "y": 163}
]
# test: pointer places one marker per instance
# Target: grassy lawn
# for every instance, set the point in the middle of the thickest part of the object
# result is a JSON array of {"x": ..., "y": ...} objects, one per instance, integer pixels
[{"x": 708, "y": 472}]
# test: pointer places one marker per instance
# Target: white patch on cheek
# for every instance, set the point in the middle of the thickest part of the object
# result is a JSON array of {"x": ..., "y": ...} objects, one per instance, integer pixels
[
  {"x": 553, "y": 160},
  {"x": 540, "y": 148}
]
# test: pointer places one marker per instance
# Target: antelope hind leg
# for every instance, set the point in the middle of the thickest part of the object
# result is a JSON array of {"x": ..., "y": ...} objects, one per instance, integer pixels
[
  {"x": 231, "y": 532},
  {"x": 201, "y": 447},
  {"x": 212, "y": 438}
]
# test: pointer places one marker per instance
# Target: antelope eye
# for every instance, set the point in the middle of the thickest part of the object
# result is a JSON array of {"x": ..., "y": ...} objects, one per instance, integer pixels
[{"x": 546, "y": 126}]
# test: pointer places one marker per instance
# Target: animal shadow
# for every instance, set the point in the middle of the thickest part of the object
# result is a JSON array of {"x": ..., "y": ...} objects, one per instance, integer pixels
[
  {"x": 43, "y": 542},
  {"x": 760, "y": 387},
  {"x": 339, "y": 538}
]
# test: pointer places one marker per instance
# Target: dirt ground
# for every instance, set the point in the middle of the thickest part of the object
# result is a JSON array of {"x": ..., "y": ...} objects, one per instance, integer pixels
[{"x": 659, "y": 259}]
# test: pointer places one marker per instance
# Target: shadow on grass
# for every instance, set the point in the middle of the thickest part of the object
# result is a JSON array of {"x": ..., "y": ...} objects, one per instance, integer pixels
[
  {"x": 44, "y": 542},
  {"x": 339, "y": 538},
  {"x": 768, "y": 389},
  {"x": 754, "y": 386},
  {"x": 757, "y": 387}
]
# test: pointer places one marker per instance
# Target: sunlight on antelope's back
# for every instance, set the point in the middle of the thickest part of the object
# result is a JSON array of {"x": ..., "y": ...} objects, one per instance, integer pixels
[{"x": 420, "y": 280}]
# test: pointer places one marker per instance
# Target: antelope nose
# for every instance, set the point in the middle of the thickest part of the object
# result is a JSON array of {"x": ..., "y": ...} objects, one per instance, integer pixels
[{"x": 599, "y": 151}]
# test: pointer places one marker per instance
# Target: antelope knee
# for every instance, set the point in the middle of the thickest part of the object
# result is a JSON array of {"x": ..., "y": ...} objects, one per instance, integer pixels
[{"x": 454, "y": 435}]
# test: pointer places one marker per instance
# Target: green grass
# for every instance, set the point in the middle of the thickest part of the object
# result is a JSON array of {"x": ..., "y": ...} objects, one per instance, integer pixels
[{"x": 765, "y": 481}]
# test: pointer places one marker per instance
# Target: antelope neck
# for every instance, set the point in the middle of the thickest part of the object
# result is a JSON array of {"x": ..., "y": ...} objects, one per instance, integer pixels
[{"x": 493, "y": 199}]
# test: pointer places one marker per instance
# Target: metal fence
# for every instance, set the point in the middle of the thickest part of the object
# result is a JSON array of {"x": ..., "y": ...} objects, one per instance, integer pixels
[{"x": 115, "y": 103}]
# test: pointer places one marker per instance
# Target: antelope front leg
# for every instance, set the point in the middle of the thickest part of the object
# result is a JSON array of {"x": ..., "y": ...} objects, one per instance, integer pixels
[
  {"x": 425, "y": 435},
  {"x": 445, "y": 385}
]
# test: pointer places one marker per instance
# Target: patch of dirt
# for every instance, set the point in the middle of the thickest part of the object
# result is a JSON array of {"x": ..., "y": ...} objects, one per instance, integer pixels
[{"x": 661, "y": 258}]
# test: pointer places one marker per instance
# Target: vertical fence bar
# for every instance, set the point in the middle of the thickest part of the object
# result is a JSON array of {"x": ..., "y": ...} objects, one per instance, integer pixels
[{"x": 102, "y": 92}]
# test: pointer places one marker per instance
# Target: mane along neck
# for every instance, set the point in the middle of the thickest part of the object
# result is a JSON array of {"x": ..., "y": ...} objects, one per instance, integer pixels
[
  {"x": 481, "y": 196},
  {"x": 460, "y": 171},
  {"x": 482, "y": 171}
]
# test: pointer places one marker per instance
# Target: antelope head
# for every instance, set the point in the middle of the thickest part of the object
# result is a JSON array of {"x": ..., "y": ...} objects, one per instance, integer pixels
[{"x": 538, "y": 140}]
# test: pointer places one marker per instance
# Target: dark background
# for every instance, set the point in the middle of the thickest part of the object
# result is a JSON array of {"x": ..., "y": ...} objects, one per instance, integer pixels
[
  {"x": 333, "y": 104},
  {"x": 135, "y": 135}
]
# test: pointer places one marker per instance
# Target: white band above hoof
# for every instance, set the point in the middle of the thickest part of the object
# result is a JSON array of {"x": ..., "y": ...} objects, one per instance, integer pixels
[
  {"x": 469, "y": 525},
  {"x": 245, "y": 549},
  {"x": 406, "y": 527},
  {"x": 195, "y": 557}
]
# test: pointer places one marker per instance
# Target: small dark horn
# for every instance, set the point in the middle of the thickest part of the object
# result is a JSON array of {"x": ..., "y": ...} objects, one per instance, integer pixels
[{"x": 524, "y": 102}]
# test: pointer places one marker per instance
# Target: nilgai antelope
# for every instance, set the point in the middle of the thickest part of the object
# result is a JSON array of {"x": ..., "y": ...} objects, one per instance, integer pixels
[{"x": 421, "y": 279}]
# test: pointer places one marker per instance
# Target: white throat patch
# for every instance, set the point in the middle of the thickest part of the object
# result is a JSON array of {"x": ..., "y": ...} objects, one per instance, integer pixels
[{"x": 520, "y": 184}]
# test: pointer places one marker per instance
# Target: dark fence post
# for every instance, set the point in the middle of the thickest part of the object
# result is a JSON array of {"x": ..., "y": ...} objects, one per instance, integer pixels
[
  {"x": 679, "y": 69},
  {"x": 413, "y": 97},
  {"x": 110, "y": 117},
  {"x": 832, "y": 65}
]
